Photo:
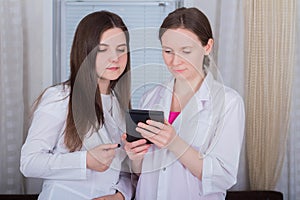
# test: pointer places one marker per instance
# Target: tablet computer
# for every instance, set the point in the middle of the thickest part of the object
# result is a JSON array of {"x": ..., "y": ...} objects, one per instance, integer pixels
[{"x": 134, "y": 116}]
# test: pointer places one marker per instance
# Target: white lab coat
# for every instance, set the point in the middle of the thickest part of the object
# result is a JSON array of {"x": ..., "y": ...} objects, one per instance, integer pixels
[
  {"x": 213, "y": 123},
  {"x": 65, "y": 175}
]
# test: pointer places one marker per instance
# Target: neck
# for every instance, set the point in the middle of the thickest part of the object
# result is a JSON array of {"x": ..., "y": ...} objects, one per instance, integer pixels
[
  {"x": 186, "y": 87},
  {"x": 104, "y": 86},
  {"x": 182, "y": 92}
]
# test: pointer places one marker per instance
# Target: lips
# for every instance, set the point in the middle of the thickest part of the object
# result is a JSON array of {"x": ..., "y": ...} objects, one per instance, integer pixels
[
  {"x": 112, "y": 68},
  {"x": 178, "y": 70}
]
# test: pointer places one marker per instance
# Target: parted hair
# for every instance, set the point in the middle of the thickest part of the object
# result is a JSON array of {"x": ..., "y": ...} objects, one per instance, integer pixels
[
  {"x": 189, "y": 18},
  {"x": 85, "y": 111}
]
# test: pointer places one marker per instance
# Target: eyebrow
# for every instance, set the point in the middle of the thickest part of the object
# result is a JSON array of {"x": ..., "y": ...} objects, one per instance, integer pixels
[
  {"x": 165, "y": 47},
  {"x": 121, "y": 45},
  {"x": 187, "y": 47},
  {"x": 106, "y": 45}
]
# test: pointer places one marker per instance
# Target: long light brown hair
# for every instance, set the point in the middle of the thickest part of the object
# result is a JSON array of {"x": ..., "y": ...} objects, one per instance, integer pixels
[
  {"x": 192, "y": 19},
  {"x": 189, "y": 18}
]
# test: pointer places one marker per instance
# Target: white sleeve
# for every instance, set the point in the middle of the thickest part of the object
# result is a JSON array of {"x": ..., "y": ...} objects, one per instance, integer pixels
[
  {"x": 220, "y": 165},
  {"x": 126, "y": 184},
  {"x": 39, "y": 155}
]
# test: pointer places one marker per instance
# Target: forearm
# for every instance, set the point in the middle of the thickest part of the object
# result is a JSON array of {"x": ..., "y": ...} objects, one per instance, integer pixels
[
  {"x": 69, "y": 166},
  {"x": 136, "y": 166},
  {"x": 120, "y": 196},
  {"x": 187, "y": 156},
  {"x": 125, "y": 186}
]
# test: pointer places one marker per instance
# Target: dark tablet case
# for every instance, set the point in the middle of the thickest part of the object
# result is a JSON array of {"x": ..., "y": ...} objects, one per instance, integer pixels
[{"x": 134, "y": 116}]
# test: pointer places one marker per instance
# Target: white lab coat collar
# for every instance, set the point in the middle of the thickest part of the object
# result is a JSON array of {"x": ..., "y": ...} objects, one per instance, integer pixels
[
  {"x": 210, "y": 97},
  {"x": 117, "y": 119},
  {"x": 113, "y": 127},
  {"x": 110, "y": 132},
  {"x": 196, "y": 103}
]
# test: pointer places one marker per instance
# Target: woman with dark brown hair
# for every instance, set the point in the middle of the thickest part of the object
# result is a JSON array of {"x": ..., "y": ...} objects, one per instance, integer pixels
[
  {"x": 74, "y": 139},
  {"x": 195, "y": 153}
]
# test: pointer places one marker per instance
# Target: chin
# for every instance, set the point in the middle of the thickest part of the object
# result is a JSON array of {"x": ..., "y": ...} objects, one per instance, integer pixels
[
  {"x": 180, "y": 76},
  {"x": 113, "y": 78}
]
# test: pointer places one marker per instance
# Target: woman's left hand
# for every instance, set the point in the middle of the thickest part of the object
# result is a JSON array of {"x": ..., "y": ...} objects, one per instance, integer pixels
[
  {"x": 117, "y": 196},
  {"x": 161, "y": 134}
]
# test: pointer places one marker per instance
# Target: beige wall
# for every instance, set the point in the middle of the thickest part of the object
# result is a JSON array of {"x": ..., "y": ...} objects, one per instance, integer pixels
[{"x": 37, "y": 37}]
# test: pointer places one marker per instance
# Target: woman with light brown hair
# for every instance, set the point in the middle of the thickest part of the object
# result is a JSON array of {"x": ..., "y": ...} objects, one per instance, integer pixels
[{"x": 195, "y": 152}]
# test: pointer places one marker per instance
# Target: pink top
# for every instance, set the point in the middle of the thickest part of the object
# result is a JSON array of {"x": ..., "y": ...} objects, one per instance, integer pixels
[{"x": 173, "y": 116}]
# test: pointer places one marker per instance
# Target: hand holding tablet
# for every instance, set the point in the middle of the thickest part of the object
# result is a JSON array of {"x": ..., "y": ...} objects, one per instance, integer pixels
[{"x": 134, "y": 116}]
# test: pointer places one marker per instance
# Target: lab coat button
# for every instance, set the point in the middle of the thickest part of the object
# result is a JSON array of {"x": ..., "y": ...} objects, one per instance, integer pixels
[{"x": 164, "y": 169}]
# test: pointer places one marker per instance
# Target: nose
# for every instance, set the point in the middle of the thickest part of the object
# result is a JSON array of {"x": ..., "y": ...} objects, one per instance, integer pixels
[
  {"x": 176, "y": 60},
  {"x": 114, "y": 56}
]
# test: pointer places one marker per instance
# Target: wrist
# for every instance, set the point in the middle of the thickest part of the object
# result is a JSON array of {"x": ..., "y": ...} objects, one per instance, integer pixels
[
  {"x": 178, "y": 146},
  {"x": 87, "y": 159},
  {"x": 120, "y": 196},
  {"x": 90, "y": 160},
  {"x": 136, "y": 166}
]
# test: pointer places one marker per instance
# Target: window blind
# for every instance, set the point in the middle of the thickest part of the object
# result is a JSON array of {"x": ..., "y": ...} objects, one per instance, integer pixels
[{"x": 142, "y": 18}]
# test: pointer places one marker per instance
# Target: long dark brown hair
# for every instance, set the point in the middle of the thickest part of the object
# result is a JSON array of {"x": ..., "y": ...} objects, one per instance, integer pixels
[{"x": 85, "y": 112}]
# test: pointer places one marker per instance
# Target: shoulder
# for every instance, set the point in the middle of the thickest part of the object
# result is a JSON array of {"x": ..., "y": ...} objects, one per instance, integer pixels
[
  {"x": 54, "y": 98},
  {"x": 152, "y": 95},
  {"x": 232, "y": 95},
  {"x": 156, "y": 90},
  {"x": 55, "y": 93},
  {"x": 233, "y": 99},
  {"x": 220, "y": 91}
]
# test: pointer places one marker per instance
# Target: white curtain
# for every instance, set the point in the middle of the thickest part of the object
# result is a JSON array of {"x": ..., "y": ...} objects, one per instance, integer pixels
[
  {"x": 289, "y": 182},
  {"x": 227, "y": 21},
  {"x": 11, "y": 95},
  {"x": 270, "y": 32},
  {"x": 226, "y": 18}
]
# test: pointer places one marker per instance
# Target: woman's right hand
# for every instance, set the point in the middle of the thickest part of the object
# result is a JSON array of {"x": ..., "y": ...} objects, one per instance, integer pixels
[
  {"x": 135, "y": 150},
  {"x": 100, "y": 157}
]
